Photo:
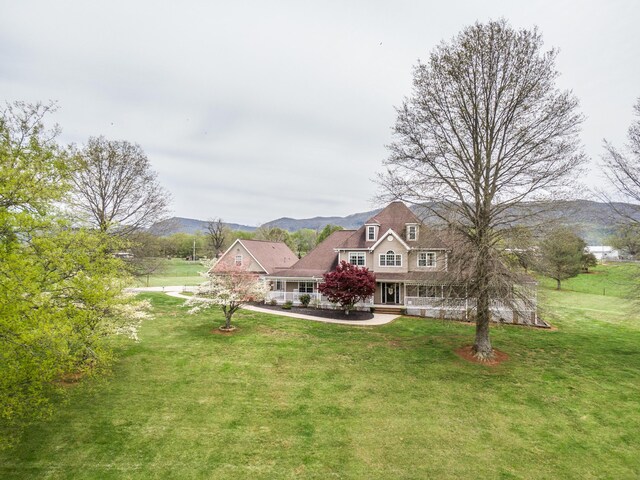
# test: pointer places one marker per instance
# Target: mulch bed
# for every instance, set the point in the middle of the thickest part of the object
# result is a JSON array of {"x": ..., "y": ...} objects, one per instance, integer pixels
[
  {"x": 318, "y": 312},
  {"x": 223, "y": 331},
  {"x": 466, "y": 354}
]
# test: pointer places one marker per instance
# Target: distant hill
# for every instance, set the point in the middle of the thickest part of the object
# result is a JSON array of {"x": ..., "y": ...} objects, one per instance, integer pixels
[
  {"x": 349, "y": 222},
  {"x": 593, "y": 221},
  {"x": 189, "y": 225}
]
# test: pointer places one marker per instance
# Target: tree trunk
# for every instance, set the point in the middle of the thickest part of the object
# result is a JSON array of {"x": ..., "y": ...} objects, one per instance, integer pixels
[
  {"x": 482, "y": 349},
  {"x": 557, "y": 284},
  {"x": 227, "y": 317},
  {"x": 482, "y": 345}
]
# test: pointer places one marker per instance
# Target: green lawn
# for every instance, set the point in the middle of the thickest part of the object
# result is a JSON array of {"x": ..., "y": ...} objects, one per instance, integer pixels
[
  {"x": 175, "y": 271},
  {"x": 614, "y": 279},
  {"x": 286, "y": 398}
]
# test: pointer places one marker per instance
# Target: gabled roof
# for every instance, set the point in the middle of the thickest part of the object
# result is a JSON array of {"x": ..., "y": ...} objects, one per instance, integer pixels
[
  {"x": 386, "y": 234},
  {"x": 269, "y": 255},
  {"x": 395, "y": 216},
  {"x": 318, "y": 261}
]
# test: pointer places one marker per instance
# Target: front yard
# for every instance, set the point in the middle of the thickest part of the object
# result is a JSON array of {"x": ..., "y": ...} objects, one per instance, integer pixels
[{"x": 287, "y": 398}]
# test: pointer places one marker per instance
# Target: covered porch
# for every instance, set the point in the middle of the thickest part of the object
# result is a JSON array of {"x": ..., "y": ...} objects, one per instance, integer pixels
[{"x": 285, "y": 290}]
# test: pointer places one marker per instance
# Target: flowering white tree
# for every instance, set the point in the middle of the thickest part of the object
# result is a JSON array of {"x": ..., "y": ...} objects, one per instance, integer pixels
[{"x": 230, "y": 287}]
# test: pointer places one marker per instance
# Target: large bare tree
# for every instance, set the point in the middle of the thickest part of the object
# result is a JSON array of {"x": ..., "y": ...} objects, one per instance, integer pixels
[
  {"x": 485, "y": 129},
  {"x": 115, "y": 188},
  {"x": 622, "y": 168},
  {"x": 217, "y": 233}
]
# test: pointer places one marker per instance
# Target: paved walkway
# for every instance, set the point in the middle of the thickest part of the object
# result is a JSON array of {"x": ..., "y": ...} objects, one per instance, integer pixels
[{"x": 378, "y": 318}]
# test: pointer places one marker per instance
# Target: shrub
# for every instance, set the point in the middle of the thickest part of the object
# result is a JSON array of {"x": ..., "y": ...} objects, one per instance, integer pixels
[
  {"x": 305, "y": 299},
  {"x": 287, "y": 305},
  {"x": 273, "y": 302}
]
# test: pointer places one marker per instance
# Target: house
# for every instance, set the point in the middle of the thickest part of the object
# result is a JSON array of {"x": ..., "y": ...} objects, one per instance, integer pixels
[
  {"x": 411, "y": 264},
  {"x": 257, "y": 256}
]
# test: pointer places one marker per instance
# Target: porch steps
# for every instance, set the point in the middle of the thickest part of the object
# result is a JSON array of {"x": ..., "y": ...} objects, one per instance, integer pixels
[{"x": 389, "y": 310}]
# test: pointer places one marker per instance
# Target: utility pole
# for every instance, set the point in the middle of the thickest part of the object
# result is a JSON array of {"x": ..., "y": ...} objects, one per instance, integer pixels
[{"x": 194, "y": 251}]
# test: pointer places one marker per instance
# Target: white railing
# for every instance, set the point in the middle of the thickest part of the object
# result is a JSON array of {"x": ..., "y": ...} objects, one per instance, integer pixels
[
  {"x": 316, "y": 298},
  {"x": 282, "y": 296},
  {"x": 462, "y": 303},
  {"x": 436, "y": 302}
]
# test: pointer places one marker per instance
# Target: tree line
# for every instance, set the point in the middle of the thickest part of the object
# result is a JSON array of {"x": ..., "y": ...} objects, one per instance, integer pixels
[{"x": 217, "y": 237}]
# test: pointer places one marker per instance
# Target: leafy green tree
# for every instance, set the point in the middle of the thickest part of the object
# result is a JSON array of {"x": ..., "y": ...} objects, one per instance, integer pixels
[
  {"x": 561, "y": 255},
  {"x": 303, "y": 240},
  {"x": 60, "y": 289},
  {"x": 626, "y": 238},
  {"x": 181, "y": 244},
  {"x": 326, "y": 231},
  {"x": 273, "y": 234},
  {"x": 233, "y": 235}
]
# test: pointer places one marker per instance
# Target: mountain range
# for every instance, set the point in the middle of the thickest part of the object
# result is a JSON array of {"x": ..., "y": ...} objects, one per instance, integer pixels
[{"x": 593, "y": 221}]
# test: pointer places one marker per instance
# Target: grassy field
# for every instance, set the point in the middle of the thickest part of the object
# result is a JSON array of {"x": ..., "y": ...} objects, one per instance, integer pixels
[
  {"x": 175, "y": 271},
  {"x": 286, "y": 398},
  {"x": 614, "y": 280}
]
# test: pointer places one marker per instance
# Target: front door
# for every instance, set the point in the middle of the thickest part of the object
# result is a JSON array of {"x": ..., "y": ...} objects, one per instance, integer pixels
[{"x": 391, "y": 293}]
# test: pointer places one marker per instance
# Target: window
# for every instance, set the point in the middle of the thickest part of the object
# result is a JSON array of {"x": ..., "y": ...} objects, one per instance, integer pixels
[
  {"x": 424, "y": 291},
  {"x": 412, "y": 232},
  {"x": 357, "y": 258},
  {"x": 427, "y": 259},
  {"x": 279, "y": 285},
  {"x": 238, "y": 260},
  {"x": 371, "y": 233},
  {"x": 305, "y": 287},
  {"x": 390, "y": 259}
]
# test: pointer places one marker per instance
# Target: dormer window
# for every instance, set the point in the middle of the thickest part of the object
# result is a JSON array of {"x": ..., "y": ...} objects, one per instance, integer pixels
[
  {"x": 372, "y": 234},
  {"x": 412, "y": 232}
]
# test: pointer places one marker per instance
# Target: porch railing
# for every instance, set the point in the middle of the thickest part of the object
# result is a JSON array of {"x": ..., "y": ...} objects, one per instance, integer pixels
[
  {"x": 463, "y": 304},
  {"x": 316, "y": 298}
]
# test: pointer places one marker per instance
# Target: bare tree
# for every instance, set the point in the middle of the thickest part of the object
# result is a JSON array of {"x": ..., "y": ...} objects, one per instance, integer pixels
[
  {"x": 115, "y": 188},
  {"x": 622, "y": 168},
  {"x": 217, "y": 233},
  {"x": 484, "y": 130}
]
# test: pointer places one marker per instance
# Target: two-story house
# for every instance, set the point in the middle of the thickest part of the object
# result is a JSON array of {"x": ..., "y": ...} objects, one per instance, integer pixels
[{"x": 410, "y": 262}]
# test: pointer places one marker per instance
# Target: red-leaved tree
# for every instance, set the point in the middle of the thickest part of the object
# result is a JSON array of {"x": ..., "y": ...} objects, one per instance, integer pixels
[{"x": 347, "y": 285}]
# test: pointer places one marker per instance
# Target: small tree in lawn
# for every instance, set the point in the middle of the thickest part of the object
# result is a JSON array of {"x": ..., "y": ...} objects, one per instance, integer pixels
[
  {"x": 230, "y": 287},
  {"x": 562, "y": 255},
  {"x": 347, "y": 285}
]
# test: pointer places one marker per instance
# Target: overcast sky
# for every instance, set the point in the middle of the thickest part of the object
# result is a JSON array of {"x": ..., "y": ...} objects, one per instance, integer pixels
[{"x": 253, "y": 110}]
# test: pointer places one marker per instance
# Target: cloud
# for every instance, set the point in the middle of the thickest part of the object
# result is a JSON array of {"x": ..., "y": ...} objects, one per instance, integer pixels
[{"x": 256, "y": 110}]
